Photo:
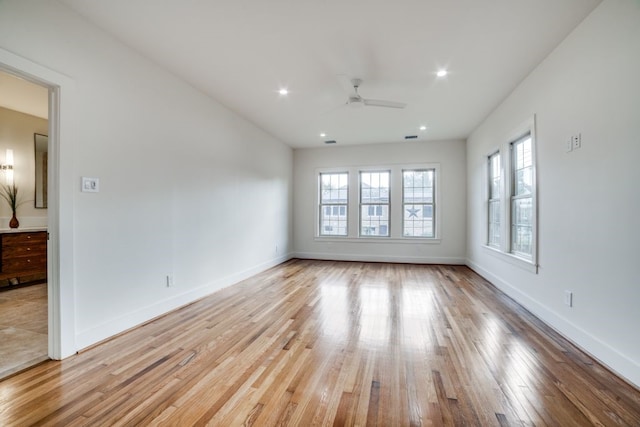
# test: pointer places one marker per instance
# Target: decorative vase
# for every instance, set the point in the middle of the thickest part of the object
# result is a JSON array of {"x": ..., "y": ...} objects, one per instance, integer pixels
[{"x": 14, "y": 223}]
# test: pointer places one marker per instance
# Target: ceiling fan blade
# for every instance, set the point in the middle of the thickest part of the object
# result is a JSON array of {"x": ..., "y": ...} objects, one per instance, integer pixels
[{"x": 381, "y": 103}]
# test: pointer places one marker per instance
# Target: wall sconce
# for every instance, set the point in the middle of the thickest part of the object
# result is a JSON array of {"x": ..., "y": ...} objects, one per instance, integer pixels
[{"x": 8, "y": 167}]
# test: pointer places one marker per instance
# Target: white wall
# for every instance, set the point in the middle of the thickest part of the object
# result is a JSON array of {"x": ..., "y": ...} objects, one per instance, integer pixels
[
  {"x": 187, "y": 187},
  {"x": 451, "y": 184},
  {"x": 588, "y": 199},
  {"x": 16, "y": 133}
]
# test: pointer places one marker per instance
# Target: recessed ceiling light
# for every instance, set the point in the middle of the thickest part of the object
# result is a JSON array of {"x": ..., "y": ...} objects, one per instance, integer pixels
[
  {"x": 423, "y": 128},
  {"x": 442, "y": 73},
  {"x": 283, "y": 92},
  {"x": 322, "y": 135}
]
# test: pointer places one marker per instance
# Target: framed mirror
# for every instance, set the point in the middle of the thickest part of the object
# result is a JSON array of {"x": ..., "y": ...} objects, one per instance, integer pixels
[{"x": 41, "y": 149}]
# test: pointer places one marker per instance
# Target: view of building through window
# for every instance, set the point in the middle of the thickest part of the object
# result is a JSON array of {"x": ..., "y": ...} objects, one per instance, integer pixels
[
  {"x": 494, "y": 205},
  {"x": 522, "y": 197},
  {"x": 374, "y": 203},
  {"x": 417, "y": 203},
  {"x": 373, "y": 210},
  {"x": 334, "y": 198}
]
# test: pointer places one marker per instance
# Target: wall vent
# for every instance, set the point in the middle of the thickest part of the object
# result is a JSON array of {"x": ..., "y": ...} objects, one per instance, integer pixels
[
  {"x": 411, "y": 137},
  {"x": 331, "y": 141}
]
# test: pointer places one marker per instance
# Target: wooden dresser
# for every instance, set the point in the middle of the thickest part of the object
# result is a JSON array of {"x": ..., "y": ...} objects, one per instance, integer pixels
[{"x": 23, "y": 257}]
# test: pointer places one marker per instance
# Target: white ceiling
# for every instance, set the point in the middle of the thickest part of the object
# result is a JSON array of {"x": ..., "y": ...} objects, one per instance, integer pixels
[{"x": 241, "y": 52}]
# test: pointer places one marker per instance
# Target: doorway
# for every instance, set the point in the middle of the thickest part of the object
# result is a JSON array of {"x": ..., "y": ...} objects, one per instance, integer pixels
[
  {"x": 61, "y": 179},
  {"x": 24, "y": 124}
]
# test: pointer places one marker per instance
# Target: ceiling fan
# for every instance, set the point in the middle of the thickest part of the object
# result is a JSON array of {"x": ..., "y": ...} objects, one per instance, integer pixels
[{"x": 355, "y": 100}]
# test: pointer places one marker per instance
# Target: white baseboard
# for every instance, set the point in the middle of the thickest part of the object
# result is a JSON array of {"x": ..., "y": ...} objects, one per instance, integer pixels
[
  {"x": 136, "y": 318},
  {"x": 596, "y": 348},
  {"x": 379, "y": 258}
]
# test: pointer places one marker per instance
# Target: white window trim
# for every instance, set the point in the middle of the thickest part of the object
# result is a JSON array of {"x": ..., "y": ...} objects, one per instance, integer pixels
[
  {"x": 361, "y": 204},
  {"x": 504, "y": 251},
  {"x": 434, "y": 207},
  {"x": 320, "y": 206},
  {"x": 395, "y": 193},
  {"x": 488, "y": 195}
]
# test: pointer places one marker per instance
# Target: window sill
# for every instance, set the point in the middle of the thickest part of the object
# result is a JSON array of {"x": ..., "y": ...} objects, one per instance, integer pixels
[
  {"x": 409, "y": 240},
  {"x": 513, "y": 259}
]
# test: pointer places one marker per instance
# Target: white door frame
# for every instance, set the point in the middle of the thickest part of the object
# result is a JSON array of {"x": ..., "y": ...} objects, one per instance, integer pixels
[{"x": 61, "y": 301}]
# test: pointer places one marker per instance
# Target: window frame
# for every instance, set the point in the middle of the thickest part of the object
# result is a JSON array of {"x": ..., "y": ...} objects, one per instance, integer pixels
[
  {"x": 494, "y": 198},
  {"x": 370, "y": 205},
  {"x": 395, "y": 209},
  {"x": 514, "y": 196},
  {"x": 504, "y": 250},
  {"x": 434, "y": 185},
  {"x": 321, "y": 227}
]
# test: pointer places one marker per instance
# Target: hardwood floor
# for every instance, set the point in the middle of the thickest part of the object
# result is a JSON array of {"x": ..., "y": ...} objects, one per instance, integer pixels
[
  {"x": 331, "y": 343},
  {"x": 23, "y": 328}
]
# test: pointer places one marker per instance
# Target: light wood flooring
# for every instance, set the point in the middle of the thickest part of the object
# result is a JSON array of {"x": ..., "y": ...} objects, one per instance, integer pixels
[
  {"x": 331, "y": 343},
  {"x": 23, "y": 328}
]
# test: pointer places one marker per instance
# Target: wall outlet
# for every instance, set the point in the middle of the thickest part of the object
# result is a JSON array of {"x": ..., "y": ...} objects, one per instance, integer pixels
[
  {"x": 276, "y": 249},
  {"x": 169, "y": 280},
  {"x": 568, "y": 298},
  {"x": 576, "y": 141}
]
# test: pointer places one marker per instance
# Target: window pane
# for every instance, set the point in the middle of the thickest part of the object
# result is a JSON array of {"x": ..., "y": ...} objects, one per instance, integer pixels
[
  {"x": 494, "y": 212},
  {"x": 522, "y": 226},
  {"x": 494, "y": 234},
  {"x": 417, "y": 186},
  {"x": 418, "y": 221},
  {"x": 333, "y": 221},
  {"x": 417, "y": 203},
  {"x": 374, "y": 187},
  {"x": 521, "y": 240},
  {"x": 524, "y": 180},
  {"x": 523, "y": 212},
  {"x": 494, "y": 203},
  {"x": 334, "y": 187},
  {"x": 334, "y": 191},
  {"x": 523, "y": 166},
  {"x": 494, "y": 176},
  {"x": 374, "y": 225},
  {"x": 494, "y": 223},
  {"x": 374, "y": 199}
]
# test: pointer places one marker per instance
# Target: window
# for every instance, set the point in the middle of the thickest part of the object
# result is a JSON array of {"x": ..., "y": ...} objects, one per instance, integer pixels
[
  {"x": 494, "y": 205},
  {"x": 374, "y": 203},
  {"x": 417, "y": 203},
  {"x": 511, "y": 199},
  {"x": 522, "y": 215},
  {"x": 354, "y": 204},
  {"x": 334, "y": 202}
]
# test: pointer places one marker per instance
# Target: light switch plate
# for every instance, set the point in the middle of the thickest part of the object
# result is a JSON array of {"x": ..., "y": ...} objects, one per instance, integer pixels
[
  {"x": 568, "y": 145},
  {"x": 90, "y": 185}
]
